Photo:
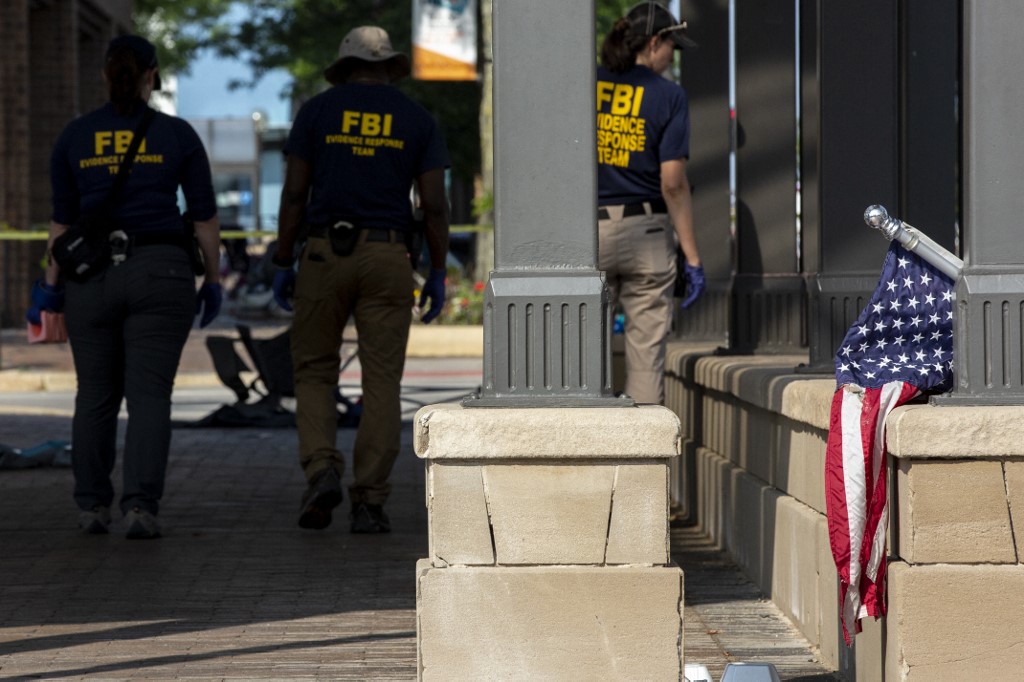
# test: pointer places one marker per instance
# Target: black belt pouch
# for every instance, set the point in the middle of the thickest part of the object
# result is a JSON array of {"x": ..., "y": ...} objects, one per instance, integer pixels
[{"x": 344, "y": 237}]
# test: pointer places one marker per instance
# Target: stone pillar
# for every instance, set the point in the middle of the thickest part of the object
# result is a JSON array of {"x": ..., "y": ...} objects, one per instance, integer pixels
[
  {"x": 548, "y": 544},
  {"x": 954, "y": 606}
]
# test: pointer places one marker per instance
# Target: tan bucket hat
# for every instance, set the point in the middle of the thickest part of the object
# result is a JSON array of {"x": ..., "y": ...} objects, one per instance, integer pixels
[{"x": 370, "y": 44}]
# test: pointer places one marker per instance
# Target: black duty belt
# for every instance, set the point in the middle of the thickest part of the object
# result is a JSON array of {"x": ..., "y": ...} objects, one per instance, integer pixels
[
  {"x": 154, "y": 238},
  {"x": 639, "y": 208},
  {"x": 373, "y": 234}
]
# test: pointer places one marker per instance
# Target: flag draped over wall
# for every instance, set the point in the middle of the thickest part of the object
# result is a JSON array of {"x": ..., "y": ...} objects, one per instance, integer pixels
[{"x": 899, "y": 347}]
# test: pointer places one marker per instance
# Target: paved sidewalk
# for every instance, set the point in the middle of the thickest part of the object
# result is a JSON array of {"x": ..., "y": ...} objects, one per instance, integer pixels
[{"x": 235, "y": 590}]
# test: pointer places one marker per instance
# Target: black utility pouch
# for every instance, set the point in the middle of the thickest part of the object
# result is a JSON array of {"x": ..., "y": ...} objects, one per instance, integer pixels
[
  {"x": 82, "y": 251},
  {"x": 344, "y": 236}
]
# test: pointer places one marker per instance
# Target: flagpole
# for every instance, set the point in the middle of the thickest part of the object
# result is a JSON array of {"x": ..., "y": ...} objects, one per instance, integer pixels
[{"x": 913, "y": 240}]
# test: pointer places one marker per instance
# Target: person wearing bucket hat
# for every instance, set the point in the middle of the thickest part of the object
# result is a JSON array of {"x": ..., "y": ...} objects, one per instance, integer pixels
[
  {"x": 128, "y": 320},
  {"x": 355, "y": 152},
  {"x": 366, "y": 44},
  {"x": 644, "y": 204}
]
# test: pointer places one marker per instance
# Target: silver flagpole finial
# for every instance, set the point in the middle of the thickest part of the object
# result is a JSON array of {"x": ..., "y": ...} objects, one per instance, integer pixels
[{"x": 914, "y": 240}]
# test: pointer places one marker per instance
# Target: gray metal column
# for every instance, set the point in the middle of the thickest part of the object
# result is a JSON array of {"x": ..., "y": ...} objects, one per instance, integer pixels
[
  {"x": 990, "y": 295},
  {"x": 704, "y": 72},
  {"x": 769, "y": 306},
  {"x": 547, "y": 318},
  {"x": 857, "y": 153}
]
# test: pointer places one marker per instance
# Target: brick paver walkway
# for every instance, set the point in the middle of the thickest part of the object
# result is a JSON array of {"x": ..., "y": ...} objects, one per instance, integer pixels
[{"x": 236, "y": 591}]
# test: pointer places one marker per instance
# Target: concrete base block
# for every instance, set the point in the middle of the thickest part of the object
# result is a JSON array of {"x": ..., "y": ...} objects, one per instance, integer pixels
[
  {"x": 954, "y": 511},
  {"x": 549, "y": 622},
  {"x": 514, "y": 514},
  {"x": 795, "y": 578},
  {"x": 954, "y": 622}
]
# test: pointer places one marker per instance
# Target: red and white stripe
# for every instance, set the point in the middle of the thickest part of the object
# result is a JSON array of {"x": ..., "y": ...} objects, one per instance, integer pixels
[{"x": 856, "y": 496}]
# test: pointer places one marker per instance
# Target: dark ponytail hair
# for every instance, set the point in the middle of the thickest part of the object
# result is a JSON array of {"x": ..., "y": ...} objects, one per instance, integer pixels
[
  {"x": 621, "y": 46},
  {"x": 124, "y": 80}
]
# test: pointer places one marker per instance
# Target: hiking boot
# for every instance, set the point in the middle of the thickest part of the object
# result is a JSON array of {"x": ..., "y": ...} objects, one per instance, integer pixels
[
  {"x": 369, "y": 518},
  {"x": 322, "y": 495},
  {"x": 95, "y": 521},
  {"x": 141, "y": 525}
]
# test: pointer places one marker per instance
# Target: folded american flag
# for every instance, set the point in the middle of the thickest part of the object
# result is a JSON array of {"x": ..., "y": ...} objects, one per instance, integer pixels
[{"x": 899, "y": 347}]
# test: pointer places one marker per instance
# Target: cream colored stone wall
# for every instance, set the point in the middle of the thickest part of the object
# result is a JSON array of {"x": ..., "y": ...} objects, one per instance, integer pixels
[
  {"x": 754, "y": 460},
  {"x": 548, "y": 544}
]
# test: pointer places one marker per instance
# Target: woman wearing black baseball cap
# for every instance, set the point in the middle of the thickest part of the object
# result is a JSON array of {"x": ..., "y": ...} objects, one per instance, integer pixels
[
  {"x": 644, "y": 205},
  {"x": 129, "y": 314}
]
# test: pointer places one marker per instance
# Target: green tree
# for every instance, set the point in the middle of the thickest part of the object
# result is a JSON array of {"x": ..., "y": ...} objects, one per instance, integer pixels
[
  {"x": 302, "y": 37},
  {"x": 179, "y": 28}
]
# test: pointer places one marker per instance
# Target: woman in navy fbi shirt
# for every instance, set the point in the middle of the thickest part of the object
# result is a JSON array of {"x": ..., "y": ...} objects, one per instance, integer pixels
[{"x": 128, "y": 324}]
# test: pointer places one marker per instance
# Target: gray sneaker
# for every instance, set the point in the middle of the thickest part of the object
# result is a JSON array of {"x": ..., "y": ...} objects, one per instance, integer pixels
[
  {"x": 95, "y": 521},
  {"x": 141, "y": 525},
  {"x": 322, "y": 495}
]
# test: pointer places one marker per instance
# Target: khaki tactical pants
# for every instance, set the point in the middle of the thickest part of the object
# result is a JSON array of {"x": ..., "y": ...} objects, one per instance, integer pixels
[
  {"x": 373, "y": 286},
  {"x": 638, "y": 255}
]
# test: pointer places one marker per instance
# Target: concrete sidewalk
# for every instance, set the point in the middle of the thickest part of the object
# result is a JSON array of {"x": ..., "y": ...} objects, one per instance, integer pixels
[
  {"x": 49, "y": 367},
  {"x": 235, "y": 590}
]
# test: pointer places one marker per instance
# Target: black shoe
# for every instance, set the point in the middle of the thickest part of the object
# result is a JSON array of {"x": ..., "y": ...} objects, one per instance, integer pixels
[
  {"x": 369, "y": 518},
  {"x": 141, "y": 525},
  {"x": 322, "y": 495}
]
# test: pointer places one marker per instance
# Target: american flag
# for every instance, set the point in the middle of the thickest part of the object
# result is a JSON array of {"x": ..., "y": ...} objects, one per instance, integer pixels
[{"x": 899, "y": 347}]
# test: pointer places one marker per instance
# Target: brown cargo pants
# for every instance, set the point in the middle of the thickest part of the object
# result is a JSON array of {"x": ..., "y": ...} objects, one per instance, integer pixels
[{"x": 373, "y": 286}]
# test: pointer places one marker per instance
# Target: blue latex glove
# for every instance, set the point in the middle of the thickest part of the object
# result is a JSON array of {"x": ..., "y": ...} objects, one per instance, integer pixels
[
  {"x": 694, "y": 284},
  {"x": 44, "y": 297},
  {"x": 284, "y": 288},
  {"x": 208, "y": 300},
  {"x": 433, "y": 289}
]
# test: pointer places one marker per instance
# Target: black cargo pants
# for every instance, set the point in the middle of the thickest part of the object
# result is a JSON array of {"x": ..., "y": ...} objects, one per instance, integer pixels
[{"x": 127, "y": 327}]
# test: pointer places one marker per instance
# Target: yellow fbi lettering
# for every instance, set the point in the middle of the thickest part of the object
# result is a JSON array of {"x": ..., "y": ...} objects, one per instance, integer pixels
[
  {"x": 624, "y": 99},
  {"x": 368, "y": 125},
  {"x": 115, "y": 141},
  {"x": 620, "y": 130},
  {"x": 365, "y": 131}
]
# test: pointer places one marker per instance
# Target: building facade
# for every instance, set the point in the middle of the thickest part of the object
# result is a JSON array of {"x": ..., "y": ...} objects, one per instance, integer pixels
[{"x": 53, "y": 55}]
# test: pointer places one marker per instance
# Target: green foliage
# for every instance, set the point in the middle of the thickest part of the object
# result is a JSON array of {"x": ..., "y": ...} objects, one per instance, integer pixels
[
  {"x": 483, "y": 205},
  {"x": 606, "y": 13},
  {"x": 302, "y": 37},
  {"x": 179, "y": 28}
]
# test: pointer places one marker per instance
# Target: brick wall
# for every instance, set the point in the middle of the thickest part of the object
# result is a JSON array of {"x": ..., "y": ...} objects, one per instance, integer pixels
[
  {"x": 14, "y": 139},
  {"x": 50, "y": 72}
]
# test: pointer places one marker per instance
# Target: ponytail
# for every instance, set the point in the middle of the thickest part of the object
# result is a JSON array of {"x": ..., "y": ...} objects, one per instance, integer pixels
[
  {"x": 124, "y": 80},
  {"x": 621, "y": 46}
]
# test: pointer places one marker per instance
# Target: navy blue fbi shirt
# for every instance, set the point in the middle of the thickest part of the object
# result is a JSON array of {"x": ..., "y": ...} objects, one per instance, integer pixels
[
  {"x": 642, "y": 120},
  {"x": 366, "y": 144},
  {"x": 85, "y": 161}
]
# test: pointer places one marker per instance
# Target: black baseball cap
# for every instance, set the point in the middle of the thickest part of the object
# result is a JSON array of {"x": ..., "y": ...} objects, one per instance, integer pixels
[
  {"x": 144, "y": 51},
  {"x": 661, "y": 23}
]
